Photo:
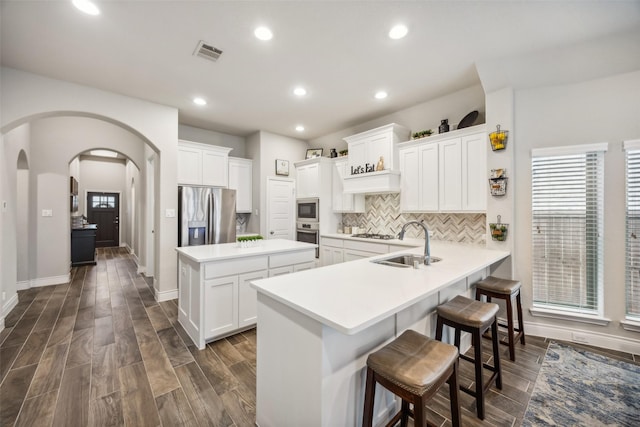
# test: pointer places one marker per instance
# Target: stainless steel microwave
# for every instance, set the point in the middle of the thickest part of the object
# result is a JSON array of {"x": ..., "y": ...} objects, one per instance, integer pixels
[{"x": 308, "y": 210}]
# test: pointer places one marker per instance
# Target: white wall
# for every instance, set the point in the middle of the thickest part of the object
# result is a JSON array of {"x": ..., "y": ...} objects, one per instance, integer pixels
[
  {"x": 13, "y": 143},
  {"x": 264, "y": 148},
  {"x": 26, "y": 97},
  {"x": 602, "y": 110},
  {"x": 205, "y": 136},
  {"x": 426, "y": 115}
]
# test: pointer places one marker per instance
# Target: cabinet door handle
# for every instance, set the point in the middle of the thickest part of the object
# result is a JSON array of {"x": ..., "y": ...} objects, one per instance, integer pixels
[{"x": 271, "y": 232}]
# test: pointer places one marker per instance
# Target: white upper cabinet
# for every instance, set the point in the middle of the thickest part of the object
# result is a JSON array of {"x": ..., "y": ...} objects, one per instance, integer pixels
[
  {"x": 445, "y": 174},
  {"x": 202, "y": 164},
  {"x": 450, "y": 174},
  {"x": 342, "y": 202},
  {"x": 241, "y": 180},
  {"x": 474, "y": 172},
  {"x": 308, "y": 178}
]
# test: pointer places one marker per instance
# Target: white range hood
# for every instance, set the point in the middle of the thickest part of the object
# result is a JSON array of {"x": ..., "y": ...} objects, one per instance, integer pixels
[
  {"x": 386, "y": 181},
  {"x": 366, "y": 151}
]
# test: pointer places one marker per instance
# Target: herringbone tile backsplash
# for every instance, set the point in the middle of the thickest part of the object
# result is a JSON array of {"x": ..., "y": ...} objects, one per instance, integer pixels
[{"x": 383, "y": 216}]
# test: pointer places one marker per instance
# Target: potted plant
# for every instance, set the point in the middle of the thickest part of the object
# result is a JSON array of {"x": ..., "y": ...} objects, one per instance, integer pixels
[
  {"x": 422, "y": 134},
  {"x": 249, "y": 241},
  {"x": 343, "y": 152}
]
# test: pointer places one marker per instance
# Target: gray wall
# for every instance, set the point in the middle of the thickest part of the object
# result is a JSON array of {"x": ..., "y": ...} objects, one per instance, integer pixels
[
  {"x": 601, "y": 110},
  {"x": 205, "y": 136},
  {"x": 426, "y": 115}
]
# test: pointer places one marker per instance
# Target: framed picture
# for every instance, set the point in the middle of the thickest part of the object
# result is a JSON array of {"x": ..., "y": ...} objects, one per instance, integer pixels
[
  {"x": 282, "y": 167},
  {"x": 312, "y": 153}
]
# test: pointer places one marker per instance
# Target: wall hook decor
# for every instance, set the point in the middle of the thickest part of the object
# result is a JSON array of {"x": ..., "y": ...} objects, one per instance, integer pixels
[
  {"x": 499, "y": 139},
  {"x": 498, "y": 230},
  {"x": 498, "y": 182}
]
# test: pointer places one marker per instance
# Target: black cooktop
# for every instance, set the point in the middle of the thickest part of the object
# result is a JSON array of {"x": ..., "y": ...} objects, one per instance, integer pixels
[{"x": 374, "y": 236}]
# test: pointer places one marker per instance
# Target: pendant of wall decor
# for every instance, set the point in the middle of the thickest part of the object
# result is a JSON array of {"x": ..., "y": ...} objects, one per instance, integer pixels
[
  {"x": 499, "y": 139},
  {"x": 498, "y": 230},
  {"x": 498, "y": 182}
]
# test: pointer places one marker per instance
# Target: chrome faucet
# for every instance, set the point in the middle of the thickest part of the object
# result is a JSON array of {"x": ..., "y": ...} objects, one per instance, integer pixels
[{"x": 427, "y": 246}]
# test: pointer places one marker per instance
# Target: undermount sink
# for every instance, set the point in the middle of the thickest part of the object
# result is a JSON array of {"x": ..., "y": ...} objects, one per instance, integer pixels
[{"x": 404, "y": 260}]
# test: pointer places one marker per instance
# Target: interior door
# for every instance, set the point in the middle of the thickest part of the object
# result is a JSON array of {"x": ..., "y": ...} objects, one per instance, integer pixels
[
  {"x": 103, "y": 209},
  {"x": 281, "y": 207}
]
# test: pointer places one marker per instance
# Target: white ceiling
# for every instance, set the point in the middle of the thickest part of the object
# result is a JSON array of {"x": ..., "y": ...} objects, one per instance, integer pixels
[{"x": 338, "y": 50}]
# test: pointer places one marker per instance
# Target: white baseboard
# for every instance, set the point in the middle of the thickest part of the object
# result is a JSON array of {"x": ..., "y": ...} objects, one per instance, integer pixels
[
  {"x": 579, "y": 336},
  {"x": 47, "y": 281},
  {"x": 7, "y": 307},
  {"x": 43, "y": 281},
  {"x": 166, "y": 295}
]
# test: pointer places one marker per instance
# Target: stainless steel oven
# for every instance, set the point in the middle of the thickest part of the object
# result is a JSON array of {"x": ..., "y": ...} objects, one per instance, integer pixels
[
  {"x": 307, "y": 210},
  {"x": 309, "y": 232}
]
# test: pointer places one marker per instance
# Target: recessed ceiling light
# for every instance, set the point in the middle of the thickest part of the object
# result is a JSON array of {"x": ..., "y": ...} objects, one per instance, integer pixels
[
  {"x": 300, "y": 128},
  {"x": 199, "y": 101},
  {"x": 263, "y": 33},
  {"x": 87, "y": 7},
  {"x": 398, "y": 32},
  {"x": 300, "y": 91},
  {"x": 381, "y": 95}
]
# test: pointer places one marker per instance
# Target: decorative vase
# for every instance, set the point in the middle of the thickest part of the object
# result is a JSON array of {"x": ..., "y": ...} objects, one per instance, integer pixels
[{"x": 444, "y": 126}]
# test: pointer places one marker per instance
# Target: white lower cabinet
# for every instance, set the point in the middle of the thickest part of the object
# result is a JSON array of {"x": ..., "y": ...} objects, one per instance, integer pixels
[
  {"x": 216, "y": 298},
  {"x": 247, "y": 298},
  {"x": 221, "y": 295},
  {"x": 279, "y": 271}
]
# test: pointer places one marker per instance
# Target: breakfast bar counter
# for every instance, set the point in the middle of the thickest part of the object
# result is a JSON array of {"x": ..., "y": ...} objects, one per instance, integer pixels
[{"x": 316, "y": 329}]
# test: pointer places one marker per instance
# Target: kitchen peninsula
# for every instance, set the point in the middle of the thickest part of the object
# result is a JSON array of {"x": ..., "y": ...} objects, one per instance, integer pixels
[
  {"x": 214, "y": 296},
  {"x": 318, "y": 327}
]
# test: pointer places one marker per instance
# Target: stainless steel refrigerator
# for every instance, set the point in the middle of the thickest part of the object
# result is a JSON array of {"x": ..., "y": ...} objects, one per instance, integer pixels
[{"x": 206, "y": 216}]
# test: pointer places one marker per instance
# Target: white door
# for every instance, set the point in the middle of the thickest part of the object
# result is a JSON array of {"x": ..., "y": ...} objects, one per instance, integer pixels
[{"x": 280, "y": 208}]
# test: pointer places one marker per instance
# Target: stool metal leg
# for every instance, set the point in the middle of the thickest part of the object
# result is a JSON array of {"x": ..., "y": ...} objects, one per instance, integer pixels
[
  {"x": 477, "y": 337},
  {"x": 520, "y": 321},
  {"x": 369, "y": 395},
  {"x": 512, "y": 347},
  {"x": 454, "y": 391},
  {"x": 496, "y": 353}
]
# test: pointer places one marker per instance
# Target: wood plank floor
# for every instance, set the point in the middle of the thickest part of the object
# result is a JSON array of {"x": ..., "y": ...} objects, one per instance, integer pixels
[{"x": 100, "y": 351}]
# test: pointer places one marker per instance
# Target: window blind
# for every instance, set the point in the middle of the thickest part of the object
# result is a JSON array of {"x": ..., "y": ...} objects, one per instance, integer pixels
[
  {"x": 632, "y": 264},
  {"x": 567, "y": 212}
]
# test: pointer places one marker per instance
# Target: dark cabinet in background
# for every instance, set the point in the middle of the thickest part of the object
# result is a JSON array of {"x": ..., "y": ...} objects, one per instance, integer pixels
[{"x": 83, "y": 245}]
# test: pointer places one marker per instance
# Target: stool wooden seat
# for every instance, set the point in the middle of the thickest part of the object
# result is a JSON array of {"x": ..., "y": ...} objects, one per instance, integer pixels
[
  {"x": 494, "y": 287},
  {"x": 413, "y": 367},
  {"x": 475, "y": 317}
]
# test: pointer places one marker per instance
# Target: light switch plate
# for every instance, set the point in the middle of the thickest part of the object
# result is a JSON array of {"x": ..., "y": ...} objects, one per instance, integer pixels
[
  {"x": 47, "y": 212},
  {"x": 170, "y": 213}
]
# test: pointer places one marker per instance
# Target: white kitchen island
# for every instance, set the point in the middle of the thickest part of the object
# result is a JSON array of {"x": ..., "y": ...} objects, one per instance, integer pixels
[
  {"x": 317, "y": 328},
  {"x": 214, "y": 295}
]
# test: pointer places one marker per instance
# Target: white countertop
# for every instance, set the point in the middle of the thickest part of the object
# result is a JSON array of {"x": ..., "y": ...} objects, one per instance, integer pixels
[
  {"x": 222, "y": 251},
  {"x": 352, "y": 296}
]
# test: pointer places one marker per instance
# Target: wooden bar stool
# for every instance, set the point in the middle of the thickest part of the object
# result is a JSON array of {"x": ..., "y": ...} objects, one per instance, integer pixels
[
  {"x": 413, "y": 367},
  {"x": 475, "y": 317},
  {"x": 494, "y": 287}
]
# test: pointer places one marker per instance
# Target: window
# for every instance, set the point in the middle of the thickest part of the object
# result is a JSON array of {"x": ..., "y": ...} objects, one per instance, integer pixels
[
  {"x": 99, "y": 201},
  {"x": 567, "y": 212},
  {"x": 632, "y": 264}
]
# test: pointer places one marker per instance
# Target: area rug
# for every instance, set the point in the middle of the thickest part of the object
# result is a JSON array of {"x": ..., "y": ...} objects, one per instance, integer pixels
[{"x": 578, "y": 388}]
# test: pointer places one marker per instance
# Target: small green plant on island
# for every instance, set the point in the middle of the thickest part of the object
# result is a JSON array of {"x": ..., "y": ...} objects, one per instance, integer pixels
[{"x": 249, "y": 238}]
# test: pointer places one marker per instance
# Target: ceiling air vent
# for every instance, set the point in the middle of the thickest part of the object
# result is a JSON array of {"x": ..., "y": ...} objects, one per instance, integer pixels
[{"x": 207, "y": 51}]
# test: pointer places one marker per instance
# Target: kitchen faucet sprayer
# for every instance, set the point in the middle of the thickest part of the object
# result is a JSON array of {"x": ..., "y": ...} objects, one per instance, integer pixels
[{"x": 427, "y": 246}]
